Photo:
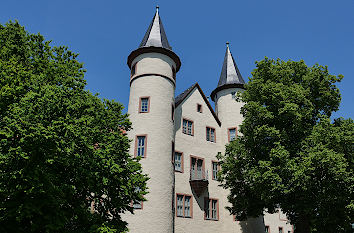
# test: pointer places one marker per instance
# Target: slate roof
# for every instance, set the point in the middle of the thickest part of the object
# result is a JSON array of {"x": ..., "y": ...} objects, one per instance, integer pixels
[
  {"x": 155, "y": 35},
  {"x": 230, "y": 75},
  {"x": 179, "y": 99},
  {"x": 155, "y": 41}
]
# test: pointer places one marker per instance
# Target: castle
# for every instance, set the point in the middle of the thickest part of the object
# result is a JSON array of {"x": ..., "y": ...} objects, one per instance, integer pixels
[{"x": 178, "y": 139}]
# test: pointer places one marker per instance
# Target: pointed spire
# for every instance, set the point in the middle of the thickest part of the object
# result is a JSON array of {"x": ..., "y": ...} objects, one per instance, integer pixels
[
  {"x": 230, "y": 75},
  {"x": 155, "y": 36},
  {"x": 229, "y": 72}
]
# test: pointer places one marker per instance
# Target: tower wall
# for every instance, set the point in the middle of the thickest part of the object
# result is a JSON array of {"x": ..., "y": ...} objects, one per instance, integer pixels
[
  {"x": 153, "y": 78},
  {"x": 228, "y": 111}
]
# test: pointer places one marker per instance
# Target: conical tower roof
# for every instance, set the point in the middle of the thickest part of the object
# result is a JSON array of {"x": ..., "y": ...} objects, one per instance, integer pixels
[
  {"x": 155, "y": 35},
  {"x": 155, "y": 40},
  {"x": 230, "y": 75}
]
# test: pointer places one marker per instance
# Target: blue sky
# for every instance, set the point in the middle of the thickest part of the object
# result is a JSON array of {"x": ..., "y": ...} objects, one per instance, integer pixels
[{"x": 105, "y": 32}]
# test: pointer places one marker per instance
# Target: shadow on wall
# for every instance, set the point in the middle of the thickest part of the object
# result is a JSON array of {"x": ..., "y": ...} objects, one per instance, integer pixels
[
  {"x": 200, "y": 199},
  {"x": 253, "y": 225},
  {"x": 177, "y": 117}
]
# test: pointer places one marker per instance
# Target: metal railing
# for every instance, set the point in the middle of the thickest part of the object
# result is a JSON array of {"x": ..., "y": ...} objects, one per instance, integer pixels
[{"x": 198, "y": 175}]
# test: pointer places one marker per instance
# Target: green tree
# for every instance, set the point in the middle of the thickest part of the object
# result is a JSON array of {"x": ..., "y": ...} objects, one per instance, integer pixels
[
  {"x": 64, "y": 161},
  {"x": 289, "y": 154}
]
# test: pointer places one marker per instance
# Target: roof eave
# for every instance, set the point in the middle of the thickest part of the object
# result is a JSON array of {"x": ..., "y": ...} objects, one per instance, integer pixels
[{"x": 153, "y": 49}]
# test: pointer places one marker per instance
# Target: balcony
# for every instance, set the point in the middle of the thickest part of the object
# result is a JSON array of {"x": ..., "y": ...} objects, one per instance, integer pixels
[{"x": 198, "y": 180}]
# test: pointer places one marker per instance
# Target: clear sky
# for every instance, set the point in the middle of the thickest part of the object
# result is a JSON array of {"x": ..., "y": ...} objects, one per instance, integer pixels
[{"x": 105, "y": 32}]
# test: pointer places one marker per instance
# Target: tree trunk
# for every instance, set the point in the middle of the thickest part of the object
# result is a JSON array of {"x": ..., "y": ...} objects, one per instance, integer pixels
[{"x": 303, "y": 225}]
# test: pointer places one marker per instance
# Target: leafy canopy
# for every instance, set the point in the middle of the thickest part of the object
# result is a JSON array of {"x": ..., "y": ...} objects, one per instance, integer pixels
[
  {"x": 290, "y": 155},
  {"x": 64, "y": 161}
]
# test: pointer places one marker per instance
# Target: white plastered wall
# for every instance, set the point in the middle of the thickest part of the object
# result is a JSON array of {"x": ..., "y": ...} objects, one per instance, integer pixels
[{"x": 153, "y": 78}]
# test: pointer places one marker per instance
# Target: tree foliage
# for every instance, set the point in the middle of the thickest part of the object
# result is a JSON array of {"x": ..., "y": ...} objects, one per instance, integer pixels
[
  {"x": 289, "y": 154},
  {"x": 64, "y": 161}
]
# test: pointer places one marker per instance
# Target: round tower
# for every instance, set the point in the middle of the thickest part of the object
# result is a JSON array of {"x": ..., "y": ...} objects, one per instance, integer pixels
[
  {"x": 151, "y": 108},
  {"x": 226, "y": 106}
]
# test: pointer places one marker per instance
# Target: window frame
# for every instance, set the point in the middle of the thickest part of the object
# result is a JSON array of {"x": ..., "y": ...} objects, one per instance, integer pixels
[
  {"x": 182, "y": 161},
  {"x": 210, "y": 204},
  {"x": 196, "y": 170},
  {"x": 206, "y": 133},
  {"x": 201, "y": 108},
  {"x": 188, "y": 120},
  {"x": 228, "y": 133},
  {"x": 183, "y": 207},
  {"x": 140, "y": 104},
  {"x": 136, "y": 146},
  {"x": 212, "y": 169}
]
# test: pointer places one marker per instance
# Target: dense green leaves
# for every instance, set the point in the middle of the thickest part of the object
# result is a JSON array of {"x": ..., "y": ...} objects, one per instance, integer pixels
[
  {"x": 290, "y": 155},
  {"x": 64, "y": 161}
]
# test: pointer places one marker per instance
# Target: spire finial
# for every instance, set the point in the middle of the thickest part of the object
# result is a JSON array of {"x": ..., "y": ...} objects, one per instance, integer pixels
[
  {"x": 157, "y": 8},
  {"x": 227, "y": 44}
]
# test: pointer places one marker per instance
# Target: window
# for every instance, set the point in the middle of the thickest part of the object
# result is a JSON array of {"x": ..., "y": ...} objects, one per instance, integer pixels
[
  {"x": 233, "y": 94},
  {"x": 280, "y": 230},
  {"x": 199, "y": 108},
  {"x": 133, "y": 70},
  {"x": 184, "y": 206},
  {"x": 144, "y": 105},
  {"x": 210, "y": 134},
  {"x": 215, "y": 169},
  {"x": 140, "y": 146},
  {"x": 232, "y": 134},
  {"x": 289, "y": 231},
  {"x": 267, "y": 229},
  {"x": 139, "y": 204},
  {"x": 197, "y": 169},
  {"x": 187, "y": 127},
  {"x": 211, "y": 209},
  {"x": 178, "y": 161}
]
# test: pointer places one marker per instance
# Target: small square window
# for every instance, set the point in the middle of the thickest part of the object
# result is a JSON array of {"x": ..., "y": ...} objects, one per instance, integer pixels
[
  {"x": 210, "y": 134},
  {"x": 199, "y": 108},
  {"x": 187, "y": 127},
  {"x": 144, "y": 105},
  {"x": 280, "y": 230}
]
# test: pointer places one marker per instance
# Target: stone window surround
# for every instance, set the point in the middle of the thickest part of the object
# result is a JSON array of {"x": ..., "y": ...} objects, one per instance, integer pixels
[
  {"x": 190, "y": 205},
  {"x": 144, "y": 97},
  {"x": 182, "y": 161},
  {"x": 210, "y": 200},
  {"x": 228, "y": 133},
  {"x": 206, "y": 134},
  {"x": 187, "y": 119},
  {"x": 136, "y": 145},
  {"x": 218, "y": 165}
]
